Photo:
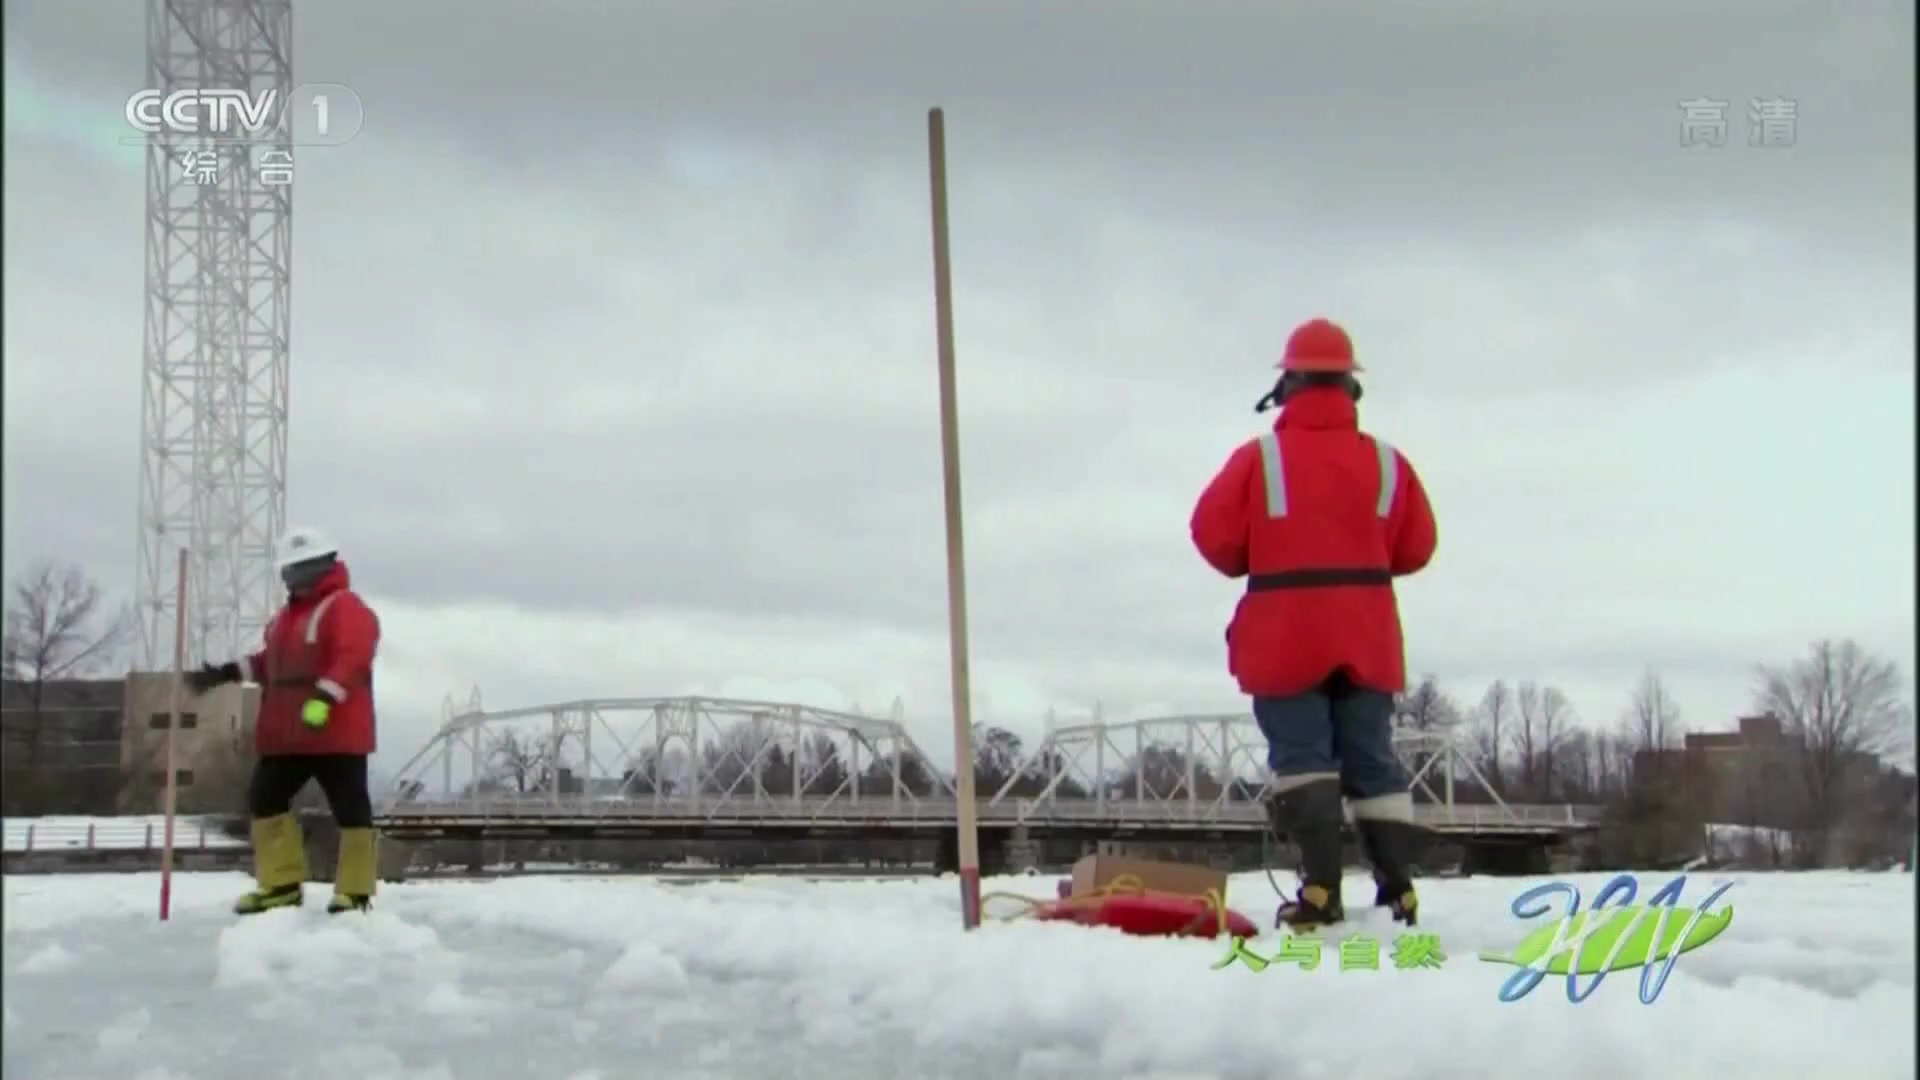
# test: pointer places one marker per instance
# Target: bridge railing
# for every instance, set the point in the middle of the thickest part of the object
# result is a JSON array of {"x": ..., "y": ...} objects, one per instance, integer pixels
[
  {"x": 1234, "y": 813},
  {"x": 137, "y": 834},
  {"x": 1242, "y": 812}
]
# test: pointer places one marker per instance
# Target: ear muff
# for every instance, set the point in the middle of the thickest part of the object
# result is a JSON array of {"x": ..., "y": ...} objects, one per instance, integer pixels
[{"x": 1293, "y": 381}]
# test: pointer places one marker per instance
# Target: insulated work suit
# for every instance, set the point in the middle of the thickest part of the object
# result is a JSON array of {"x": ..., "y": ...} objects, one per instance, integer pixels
[
  {"x": 1319, "y": 518},
  {"x": 316, "y": 723}
]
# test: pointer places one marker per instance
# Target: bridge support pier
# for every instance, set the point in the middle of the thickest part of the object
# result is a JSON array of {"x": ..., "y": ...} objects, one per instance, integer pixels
[
  {"x": 1023, "y": 854},
  {"x": 993, "y": 852},
  {"x": 394, "y": 858}
]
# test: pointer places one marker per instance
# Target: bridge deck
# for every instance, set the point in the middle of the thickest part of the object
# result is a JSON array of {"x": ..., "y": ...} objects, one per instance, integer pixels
[{"x": 613, "y": 813}]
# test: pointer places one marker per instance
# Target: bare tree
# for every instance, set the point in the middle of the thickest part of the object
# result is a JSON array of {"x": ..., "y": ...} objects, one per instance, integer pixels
[
  {"x": 820, "y": 762},
  {"x": 997, "y": 756},
  {"x": 1044, "y": 765},
  {"x": 1544, "y": 715},
  {"x": 58, "y": 759},
  {"x": 1652, "y": 720},
  {"x": 55, "y": 629},
  {"x": 518, "y": 759},
  {"x": 913, "y": 776},
  {"x": 1841, "y": 709},
  {"x": 1586, "y": 766},
  {"x": 732, "y": 763},
  {"x": 642, "y": 775},
  {"x": 1161, "y": 771},
  {"x": 1426, "y": 706},
  {"x": 1614, "y": 757},
  {"x": 776, "y": 772},
  {"x": 1656, "y": 799},
  {"x": 1493, "y": 716},
  {"x": 54, "y": 626}
]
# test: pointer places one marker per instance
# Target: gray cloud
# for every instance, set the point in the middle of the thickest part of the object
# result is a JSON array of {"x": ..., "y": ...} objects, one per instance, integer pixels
[
  {"x": 1477, "y": 108},
  {"x": 623, "y": 312}
]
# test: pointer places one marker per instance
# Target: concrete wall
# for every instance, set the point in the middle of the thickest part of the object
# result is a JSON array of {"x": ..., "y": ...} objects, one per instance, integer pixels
[
  {"x": 60, "y": 746},
  {"x": 212, "y": 751}
]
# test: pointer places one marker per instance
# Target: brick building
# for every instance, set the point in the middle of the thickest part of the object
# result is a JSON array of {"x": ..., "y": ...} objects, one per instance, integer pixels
[
  {"x": 1747, "y": 776},
  {"x": 1733, "y": 777}
]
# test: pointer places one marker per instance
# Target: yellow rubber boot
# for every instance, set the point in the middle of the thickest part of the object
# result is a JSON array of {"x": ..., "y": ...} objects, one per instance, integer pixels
[
  {"x": 279, "y": 865},
  {"x": 355, "y": 873}
]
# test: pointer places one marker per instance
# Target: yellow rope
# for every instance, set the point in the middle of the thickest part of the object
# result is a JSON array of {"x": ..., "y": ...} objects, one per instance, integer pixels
[{"x": 1121, "y": 885}]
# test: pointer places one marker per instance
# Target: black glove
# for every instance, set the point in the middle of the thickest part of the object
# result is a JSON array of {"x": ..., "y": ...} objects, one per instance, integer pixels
[{"x": 212, "y": 675}]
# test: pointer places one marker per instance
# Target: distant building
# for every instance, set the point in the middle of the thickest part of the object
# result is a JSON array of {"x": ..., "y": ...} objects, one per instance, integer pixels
[
  {"x": 98, "y": 746},
  {"x": 60, "y": 744},
  {"x": 1741, "y": 777},
  {"x": 1733, "y": 777},
  {"x": 213, "y": 743}
]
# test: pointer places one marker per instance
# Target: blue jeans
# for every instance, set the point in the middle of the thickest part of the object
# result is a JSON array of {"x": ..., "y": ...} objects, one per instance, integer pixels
[{"x": 1337, "y": 730}]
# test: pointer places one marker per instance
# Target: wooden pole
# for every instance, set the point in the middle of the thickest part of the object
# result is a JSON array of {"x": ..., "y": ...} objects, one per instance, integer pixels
[
  {"x": 173, "y": 729},
  {"x": 967, "y": 812}
]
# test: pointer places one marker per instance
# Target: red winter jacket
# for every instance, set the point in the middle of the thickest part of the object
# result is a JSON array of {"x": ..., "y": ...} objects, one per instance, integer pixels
[
  {"x": 320, "y": 645},
  {"x": 1320, "y": 518}
]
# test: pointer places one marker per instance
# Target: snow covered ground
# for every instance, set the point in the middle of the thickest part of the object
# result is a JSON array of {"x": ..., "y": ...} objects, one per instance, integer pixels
[
  {"x": 613, "y": 979},
  {"x": 126, "y": 831}
]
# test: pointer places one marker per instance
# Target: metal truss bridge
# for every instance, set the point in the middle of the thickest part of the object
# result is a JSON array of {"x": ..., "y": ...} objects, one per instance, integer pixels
[{"x": 691, "y": 766}]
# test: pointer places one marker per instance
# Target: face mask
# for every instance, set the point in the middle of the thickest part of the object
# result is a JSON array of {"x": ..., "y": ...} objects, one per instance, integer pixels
[{"x": 302, "y": 576}]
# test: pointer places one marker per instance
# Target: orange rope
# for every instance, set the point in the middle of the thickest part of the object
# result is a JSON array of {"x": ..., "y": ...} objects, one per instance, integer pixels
[{"x": 1215, "y": 905}]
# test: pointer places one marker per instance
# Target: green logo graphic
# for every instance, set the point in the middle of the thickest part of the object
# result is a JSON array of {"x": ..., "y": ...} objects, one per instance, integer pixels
[
  {"x": 1359, "y": 952},
  {"x": 1603, "y": 940}
]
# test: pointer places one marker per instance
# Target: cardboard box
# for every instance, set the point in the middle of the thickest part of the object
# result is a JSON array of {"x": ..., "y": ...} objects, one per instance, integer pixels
[{"x": 1094, "y": 871}]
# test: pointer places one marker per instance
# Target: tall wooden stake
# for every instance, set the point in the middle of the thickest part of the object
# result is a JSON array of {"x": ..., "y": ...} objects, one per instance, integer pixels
[
  {"x": 173, "y": 729},
  {"x": 967, "y": 812}
]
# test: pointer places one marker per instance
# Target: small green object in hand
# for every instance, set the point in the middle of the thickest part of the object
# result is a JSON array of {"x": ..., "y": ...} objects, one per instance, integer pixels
[{"x": 315, "y": 714}]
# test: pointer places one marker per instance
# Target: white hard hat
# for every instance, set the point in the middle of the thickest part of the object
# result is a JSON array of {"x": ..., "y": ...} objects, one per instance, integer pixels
[{"x": 300, "y": 545}]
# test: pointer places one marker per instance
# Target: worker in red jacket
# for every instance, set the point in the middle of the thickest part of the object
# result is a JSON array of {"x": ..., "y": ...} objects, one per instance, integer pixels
[
  {"x": 315, "y": 669},
  {"x": 1320, "y": 518}
]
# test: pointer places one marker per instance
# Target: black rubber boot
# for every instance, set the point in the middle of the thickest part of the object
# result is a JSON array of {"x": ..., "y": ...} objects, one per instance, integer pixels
[
  {"x": 1393, "y": 847},
  {"x": 1310, "y": 817},
  {"x": 1312, "y": 908}
]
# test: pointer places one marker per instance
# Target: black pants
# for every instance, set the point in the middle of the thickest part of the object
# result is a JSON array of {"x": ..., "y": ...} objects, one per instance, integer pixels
[{"x": 342, "y": 778}]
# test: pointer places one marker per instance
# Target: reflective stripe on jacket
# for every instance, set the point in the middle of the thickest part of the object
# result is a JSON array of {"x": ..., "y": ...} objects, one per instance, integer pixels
[
  {"x": 320, "y": 645},
  {"x": 1319, "y": 518}
]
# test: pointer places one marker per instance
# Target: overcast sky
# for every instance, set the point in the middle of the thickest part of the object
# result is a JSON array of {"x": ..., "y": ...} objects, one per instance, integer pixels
[{"x": 613, "y": 350}]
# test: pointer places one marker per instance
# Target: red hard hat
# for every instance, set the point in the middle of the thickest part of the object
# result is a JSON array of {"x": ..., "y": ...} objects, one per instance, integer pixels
[{"x": 1319, "y": 345}]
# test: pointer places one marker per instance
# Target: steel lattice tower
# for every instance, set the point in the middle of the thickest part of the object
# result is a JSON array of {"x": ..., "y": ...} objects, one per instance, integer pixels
[{"x": 213, "y": 438}]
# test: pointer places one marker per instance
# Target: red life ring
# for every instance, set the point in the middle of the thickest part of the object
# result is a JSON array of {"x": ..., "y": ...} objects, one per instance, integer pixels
[{"x": 1149, "y": 915}]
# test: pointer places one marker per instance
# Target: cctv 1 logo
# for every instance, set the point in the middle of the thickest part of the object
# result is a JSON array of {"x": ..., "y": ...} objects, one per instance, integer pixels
[
  {"x": 312, "y": 114},
  {"x": 1604, "y": 940},
  {"x": 214, "y": 111}
]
